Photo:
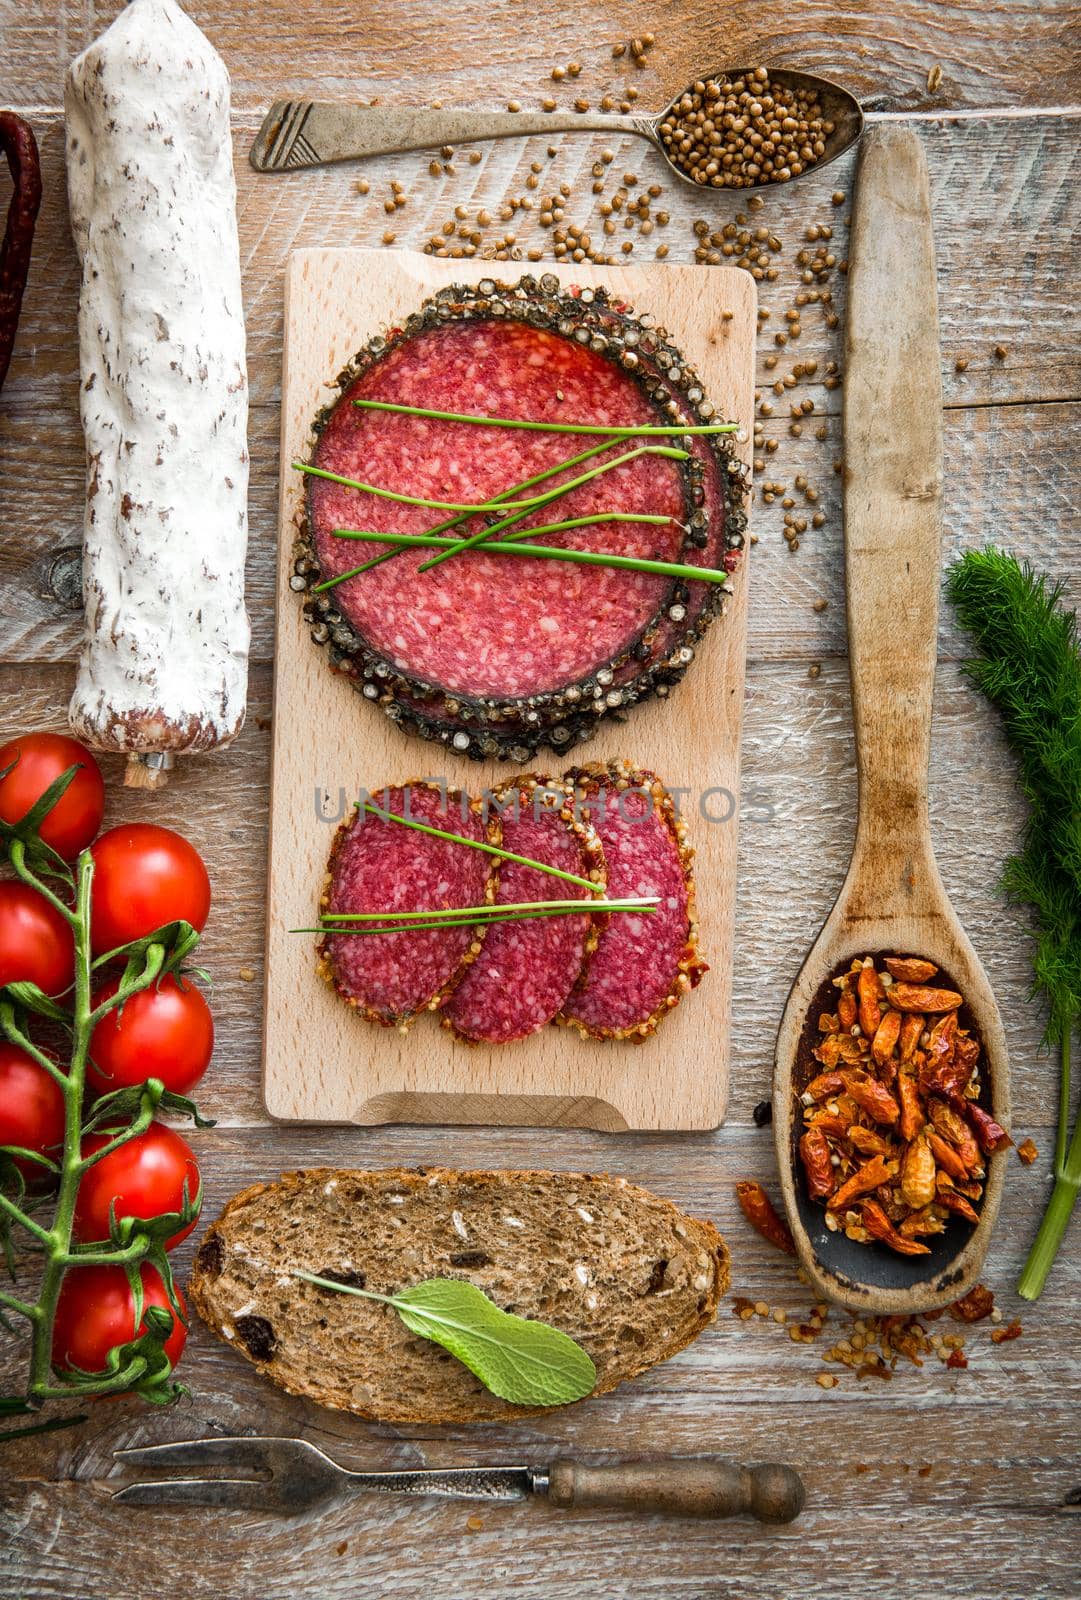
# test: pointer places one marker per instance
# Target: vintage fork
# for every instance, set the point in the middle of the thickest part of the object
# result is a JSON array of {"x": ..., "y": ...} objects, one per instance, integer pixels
[{"x": 291, "y": 1475}]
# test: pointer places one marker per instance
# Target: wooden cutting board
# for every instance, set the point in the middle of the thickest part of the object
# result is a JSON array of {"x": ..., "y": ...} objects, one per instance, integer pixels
[{"x": 321, "y": 1062}]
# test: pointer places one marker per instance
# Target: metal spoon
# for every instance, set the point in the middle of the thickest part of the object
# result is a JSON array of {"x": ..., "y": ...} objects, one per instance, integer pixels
[
  {"x": 314, "y": 133},
  {"x": 893, "y": 901}
]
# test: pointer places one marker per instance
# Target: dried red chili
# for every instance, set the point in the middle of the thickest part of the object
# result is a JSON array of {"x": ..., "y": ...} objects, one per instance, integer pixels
[
  {"x": 1012, "y": 1330},
  {"x": 760, "y": 1212}
]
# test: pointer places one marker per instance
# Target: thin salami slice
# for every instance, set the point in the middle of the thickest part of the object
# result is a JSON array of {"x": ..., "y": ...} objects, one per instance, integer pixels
[
  {"x": 379, "y": 865},
  {"x": 526, "y": 970},
  {"x": 643, "y": 965}
]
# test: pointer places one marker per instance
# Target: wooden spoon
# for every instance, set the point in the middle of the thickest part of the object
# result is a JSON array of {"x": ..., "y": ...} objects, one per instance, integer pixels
[{"x": 893, "y": 900}]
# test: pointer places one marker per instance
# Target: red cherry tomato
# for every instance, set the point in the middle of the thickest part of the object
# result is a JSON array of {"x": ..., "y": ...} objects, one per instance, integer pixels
[
  {"x": 36, "y": 944},
  {"x": 143, "y": 1178},
  {"x": 96, "y": 1312},
  {"x": 31, "y": 1108},
  {"x": 144, "y": 877},
  {"x": 163, "y": 1032},
  {"x": 39, "y": 759}
]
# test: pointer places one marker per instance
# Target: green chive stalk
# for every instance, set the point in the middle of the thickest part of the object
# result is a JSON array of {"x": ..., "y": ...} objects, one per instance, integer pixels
[
  {"x": 553, "y": 494},
  {"x": 543, "y": 552},
  {"x": 505, "y": 496},
  {"x": 651, "y": 432},
  {"x": 482, "y": 845},
  {"x": 433, "y": 541}
]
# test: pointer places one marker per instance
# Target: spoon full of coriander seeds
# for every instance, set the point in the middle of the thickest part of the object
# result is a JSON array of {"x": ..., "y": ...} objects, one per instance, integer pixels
[{"x": 741, "y": 129}]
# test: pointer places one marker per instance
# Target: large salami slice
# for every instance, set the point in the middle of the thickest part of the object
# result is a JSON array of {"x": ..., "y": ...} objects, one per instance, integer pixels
[
  {"x": 527, "y": 970},
  {"x": 380, "y": 865},
  {"x": 716, "y": 536},
  {"x": 643, "y": 965}
]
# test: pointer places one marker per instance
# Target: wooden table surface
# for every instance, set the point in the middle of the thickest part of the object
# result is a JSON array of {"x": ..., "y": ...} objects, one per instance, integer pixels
[{"x": 946, "y": 1482}]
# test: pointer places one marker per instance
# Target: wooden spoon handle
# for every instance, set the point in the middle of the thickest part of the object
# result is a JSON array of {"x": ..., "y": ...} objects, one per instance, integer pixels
[
  {"x": 893, "y": 492},
  {"x": 689, "y": 1488}
]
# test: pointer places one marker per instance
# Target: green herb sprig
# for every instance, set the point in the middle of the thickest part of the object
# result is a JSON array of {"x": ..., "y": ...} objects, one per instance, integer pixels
[
  {"x": 668, "y": 431},
  {"x": 527, "y": 1363},
  {"x": 1029, "y": 667},
  {"x": 540, "y": 552}
]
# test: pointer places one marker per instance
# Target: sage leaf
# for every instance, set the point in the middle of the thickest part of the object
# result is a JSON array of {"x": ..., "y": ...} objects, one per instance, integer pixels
[{"x": 527, "y": 1363}]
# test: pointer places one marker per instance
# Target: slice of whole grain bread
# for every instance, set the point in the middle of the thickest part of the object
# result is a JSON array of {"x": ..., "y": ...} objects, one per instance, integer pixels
[{"x": 624, "y": 1272}]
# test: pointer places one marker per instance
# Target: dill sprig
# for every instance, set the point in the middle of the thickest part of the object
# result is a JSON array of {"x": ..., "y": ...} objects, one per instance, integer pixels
[{"x": 1029, "y": 667}]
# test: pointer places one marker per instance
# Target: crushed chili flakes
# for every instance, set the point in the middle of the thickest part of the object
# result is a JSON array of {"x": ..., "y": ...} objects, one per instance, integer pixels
[
  {"x": 978, "y": 1303},
  {"x": 1027, "y": 1151},
  {"x": 1012, "y": 1330},
  {"x": 894, "y": 1142},
  {"x": 957, "y": 1358}
]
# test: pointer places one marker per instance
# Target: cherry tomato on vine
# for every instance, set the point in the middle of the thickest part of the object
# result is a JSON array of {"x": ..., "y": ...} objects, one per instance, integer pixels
[
  {"x": 31, "y": 1108},
  {"x": 144, "y": 877},
  {"x": 163, "y": 1032},
  {"x": 39, "y": 759},
  {"x": 96, "y": 1312},
  {"x": 143, "y": 1178},
  {"x": 36, "y": 944}
]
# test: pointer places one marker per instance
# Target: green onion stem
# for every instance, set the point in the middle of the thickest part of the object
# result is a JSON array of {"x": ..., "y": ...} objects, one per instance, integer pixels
[
  {"x": 1060, "y": 1207},
  {"x": 503, "y": 498},
  {"x": 542, "y": 552},
  {"x": 466, "y": 507},
  {"x": 481, "y": 844},
  {"x": 547, "y": 427},
  {"x": 625, "y": 902},
  {"x": 553, "y": 494},
  {"x": 434, "y": 541}
]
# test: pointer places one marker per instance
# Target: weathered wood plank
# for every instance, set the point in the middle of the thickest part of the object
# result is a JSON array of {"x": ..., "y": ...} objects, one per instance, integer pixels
[
  {"x": 1002, "y": 192},
  {"x": 1005, "y": 481},
  {"x": 993, "y": 54},
  {"x": 795, "y": 830},
  {"x": 982, "y": 1458}
]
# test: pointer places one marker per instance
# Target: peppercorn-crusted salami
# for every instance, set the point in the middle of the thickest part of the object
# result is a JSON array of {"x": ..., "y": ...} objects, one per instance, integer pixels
[
  {"x": 643, "y": 965},
  {"x": 163, "y": 667},
  {"x": 715, "y": 536},
  {"x": 526, "y": 970},
  {"x": 480, "y": 626},
  {"x": 380, "y": 865}
]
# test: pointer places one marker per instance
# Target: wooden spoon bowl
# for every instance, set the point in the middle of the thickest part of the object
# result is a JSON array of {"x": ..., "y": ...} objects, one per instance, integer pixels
[{"x": 893, "y": 901}]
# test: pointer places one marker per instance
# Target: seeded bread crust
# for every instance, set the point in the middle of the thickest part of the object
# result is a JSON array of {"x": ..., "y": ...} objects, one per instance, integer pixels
[{"x": 623, "y": 1271}]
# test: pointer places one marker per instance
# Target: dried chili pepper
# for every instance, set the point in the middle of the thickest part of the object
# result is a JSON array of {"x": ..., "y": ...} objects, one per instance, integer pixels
[
  {"x": 1027, "y": 1151},
  {"x": 760, "y": 1212},
  {"x": 817, "y": 1164},
  {"x": 947, "y": 1157},
  {"x": 917, "y": 997},
  {"x": 879, "y": 1226},
  {"x": 912, "y": 1024},
  {"x": 912, "y": 1118},
  {"x": 957, "y": 1202},
  {"x": 957, "y": 1358},
  {"x": 21, "y": 149},
  {"x": 846, "y": 1009},
  {"x": 871, "y": 995},
  {"x": 885, "y": 1038},
  {"x": 918, "y": 1175},
  {"x": 872, "y": 1097},
  {"x": 953, "y": 1127},
  {"x": 991, "y": 1135},
  {"x": 867, "y": 1141},
  {"x": 910, "y": 969},
  {"x": 870, "y": 1176}
]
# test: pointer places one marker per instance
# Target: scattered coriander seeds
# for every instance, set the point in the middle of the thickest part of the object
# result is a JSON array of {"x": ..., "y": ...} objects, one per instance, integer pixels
[{"x": 1001, "y": 352}]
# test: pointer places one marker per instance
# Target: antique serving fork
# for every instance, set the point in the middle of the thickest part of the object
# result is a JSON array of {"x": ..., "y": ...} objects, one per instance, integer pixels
[{"x": 291, "y": 1475}]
